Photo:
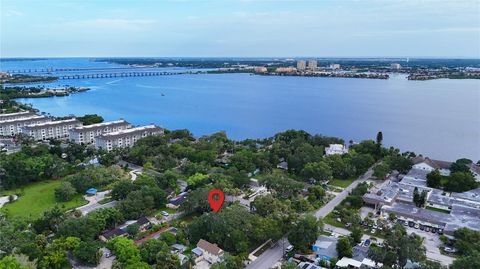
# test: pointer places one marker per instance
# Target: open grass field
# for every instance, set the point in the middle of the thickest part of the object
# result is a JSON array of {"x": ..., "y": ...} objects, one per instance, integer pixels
[
  {"x": 342, "y": 183},
  {"x": 36, "y": 198}
]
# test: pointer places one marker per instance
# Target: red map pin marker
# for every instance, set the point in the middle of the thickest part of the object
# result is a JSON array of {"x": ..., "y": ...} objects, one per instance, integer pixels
[{"x": 216, "y": 204}]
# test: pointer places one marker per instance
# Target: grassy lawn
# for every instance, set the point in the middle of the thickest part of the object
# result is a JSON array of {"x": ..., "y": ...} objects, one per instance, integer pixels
[
  {"x": 331, "y": 219},
  {"x": 36, "y": 198},
  {"x": 438, "y": 210},
  {"x": 342, "y": 183}
]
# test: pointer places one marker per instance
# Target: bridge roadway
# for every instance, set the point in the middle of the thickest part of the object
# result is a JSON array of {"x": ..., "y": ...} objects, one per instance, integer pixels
[
  {"x": 69, "y": 69},
  {"x": 124, "y": 74}
]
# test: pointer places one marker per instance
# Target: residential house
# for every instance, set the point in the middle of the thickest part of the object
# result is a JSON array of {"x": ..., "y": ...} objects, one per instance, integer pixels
[
  {"x": 282, "y": 165},
  {"x": 336, "y": 149},
  {"x": 427, "y": 164},
  {"x": 210, "y": 252}
]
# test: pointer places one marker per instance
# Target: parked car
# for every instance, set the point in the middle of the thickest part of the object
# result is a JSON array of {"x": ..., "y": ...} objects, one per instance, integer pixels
[
  {"x": 449, "y": 250},
  {"x": 416, "y": 226},
  {"x": 289, "y": 248},
  {"x": 422, "y": 227},
  {"x": 165, "y": 214},
  {"x": 411, "y": 223},
  {"x": 427, "y": 229},
  {"x": 440, "y": 231},
  {"x": 434, "y": 230}
]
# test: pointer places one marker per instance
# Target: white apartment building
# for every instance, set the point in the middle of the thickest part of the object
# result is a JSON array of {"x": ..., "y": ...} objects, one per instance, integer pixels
[
  {"x": 16, "y": 116},
  {"x": 16, "y": 126},
  {"x": 86, "y": 134},
  {"x": 395, "y": 66},
  {"x": 335, "y": 66},
  {"x": 312, "y": 65},
  {"x": 301, "y": 65},
  {"x": 125, "y": 138},
  {"x": 51, "y": 130}
]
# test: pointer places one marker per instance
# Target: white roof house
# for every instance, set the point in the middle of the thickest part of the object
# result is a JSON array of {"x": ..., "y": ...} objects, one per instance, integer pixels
[
  {"x": 348, "y": 263},
  {"x": 336, "y": 149}
]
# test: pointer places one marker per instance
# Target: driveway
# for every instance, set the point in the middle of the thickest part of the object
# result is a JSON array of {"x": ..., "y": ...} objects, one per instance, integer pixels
[{"x": 93, "y": 202}]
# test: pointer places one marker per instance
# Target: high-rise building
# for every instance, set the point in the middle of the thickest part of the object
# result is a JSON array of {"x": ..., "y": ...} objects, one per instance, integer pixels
[
  {"x": 312, "y": 65},
  {"x": 301, "y": 65}
]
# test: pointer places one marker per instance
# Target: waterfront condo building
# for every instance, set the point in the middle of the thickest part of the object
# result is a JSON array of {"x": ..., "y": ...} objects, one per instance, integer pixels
[
  {"x": 301, "y": 65},
  {"x": 16, "y": 126},
  {"x": 125, "y": 138},
  {"x": 16, "y": 116},
  {"x": 51, "y": 130},
  {"x": 334, "y": 66},
  {"x": 312, "y": 65},
  {"x": 86, "y": 134},
  {"x": 395, "y": 66}
]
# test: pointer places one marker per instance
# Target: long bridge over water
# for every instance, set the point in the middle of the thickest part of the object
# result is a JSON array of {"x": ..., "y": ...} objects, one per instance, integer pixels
[
  {"x": 124, "y": 74},
  {"x": 53, "y": 70}
]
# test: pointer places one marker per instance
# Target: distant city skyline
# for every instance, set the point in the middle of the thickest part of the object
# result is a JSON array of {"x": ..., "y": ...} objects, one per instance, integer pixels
[{"x": 244, "y": 28}]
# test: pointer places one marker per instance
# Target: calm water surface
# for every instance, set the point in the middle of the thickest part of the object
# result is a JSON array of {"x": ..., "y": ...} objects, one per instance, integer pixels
[{"x": 438, "y": 118}]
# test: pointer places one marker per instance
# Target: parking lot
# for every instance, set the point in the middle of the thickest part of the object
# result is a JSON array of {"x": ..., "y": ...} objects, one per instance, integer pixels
[{"x": 430, "y": 234}]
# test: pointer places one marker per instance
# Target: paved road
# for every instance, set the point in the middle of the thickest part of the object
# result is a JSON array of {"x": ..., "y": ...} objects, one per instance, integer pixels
[
  {"x": 271, "y": 256},
  {"x": 6, "y": 199},
  {"x": 326, "y": 209}
]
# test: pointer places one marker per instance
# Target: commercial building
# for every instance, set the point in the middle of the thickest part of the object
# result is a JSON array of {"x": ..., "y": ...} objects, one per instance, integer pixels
[
  {"x": 301, "y": 65},
  {"x": 16, "y": 116},
  {"x": 312, "y": 65},
  {"x": 459, "y": 209},
  {"x": 52, "y": 129},
  {"x": 16, "y": 126},
  {"x": 125, "y": 138},
  {"x": 86, "y": 134}
]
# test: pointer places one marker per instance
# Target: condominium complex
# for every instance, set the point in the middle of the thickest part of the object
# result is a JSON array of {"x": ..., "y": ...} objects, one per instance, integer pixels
[
  {"x": 87, "y": 134},
  {"x": 395, "y": 66},
  {"x": 51, "y": 130},
  {"x": 125, "y": 138},
  {"x": 301, "y": 65},
  {"x": 16, "y": 116},
  {"x": 312, "y": 65},
  {"x": 16, "y": 125}
]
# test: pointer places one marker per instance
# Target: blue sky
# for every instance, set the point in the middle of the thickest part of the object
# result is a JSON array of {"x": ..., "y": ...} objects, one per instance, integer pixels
[{"x": 341, "y": 28}]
